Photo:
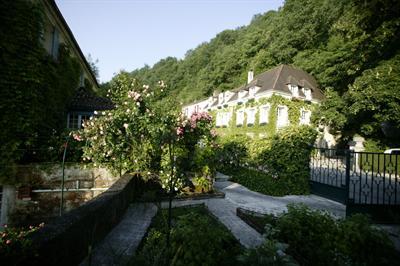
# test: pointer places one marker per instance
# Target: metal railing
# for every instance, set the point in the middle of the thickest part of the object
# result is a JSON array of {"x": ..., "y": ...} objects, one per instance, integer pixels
[{"x": 369, "y": 178}]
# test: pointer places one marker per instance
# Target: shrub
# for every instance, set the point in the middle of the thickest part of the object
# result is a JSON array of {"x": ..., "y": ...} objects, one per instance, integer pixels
[
  {"x": 196, "y": 239},
  {"x": 311, "y": 235},
  {"x": 315, "y": 238},
  {"x": 288, "y": 157},
  {"x": 277, "y": 166},
  {"x": 270, "y": 252},
  {"x": 232, "y": 151}
]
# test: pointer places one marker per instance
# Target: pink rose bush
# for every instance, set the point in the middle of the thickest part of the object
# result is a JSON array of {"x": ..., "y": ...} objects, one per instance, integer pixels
[{"x": 144, "y": 133}]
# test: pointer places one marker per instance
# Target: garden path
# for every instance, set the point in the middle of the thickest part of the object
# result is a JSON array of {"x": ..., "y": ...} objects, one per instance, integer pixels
[
  {"x": 236, "y": 195},
  {"x": 121, "y": 243}
]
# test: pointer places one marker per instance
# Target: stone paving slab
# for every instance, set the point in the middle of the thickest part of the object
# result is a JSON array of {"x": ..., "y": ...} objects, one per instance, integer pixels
[
  {"x": 254, "y": 201},
  {"x": 121, "y": 243},
  {"x": 225, "y": 212}
]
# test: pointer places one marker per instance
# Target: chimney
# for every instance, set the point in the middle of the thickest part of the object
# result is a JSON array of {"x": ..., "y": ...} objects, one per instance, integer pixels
[{"x": 250, "y": 76}]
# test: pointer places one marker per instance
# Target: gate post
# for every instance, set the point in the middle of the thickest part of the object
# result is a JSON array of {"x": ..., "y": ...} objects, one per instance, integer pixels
[{"x": 348, "y": 165}]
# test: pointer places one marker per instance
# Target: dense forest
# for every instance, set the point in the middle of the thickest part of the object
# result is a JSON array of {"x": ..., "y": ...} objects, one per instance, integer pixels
[{"x": 351, "y": 47}]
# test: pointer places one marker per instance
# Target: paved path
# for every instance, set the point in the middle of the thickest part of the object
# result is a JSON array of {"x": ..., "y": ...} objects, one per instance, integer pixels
[
  {"x": 238, "y": 196},
  {"x": 250, "y": 200},
  {"x": 121, "y": 243}
]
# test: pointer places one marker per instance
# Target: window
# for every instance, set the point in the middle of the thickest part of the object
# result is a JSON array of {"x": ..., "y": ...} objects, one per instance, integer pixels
[
  {"x": 226, "y": 117},
  {"x": 75, "y": 120},
  {"x": 251, "y": 116},
  {"x": 239, "y": 117},
  {"x": 264, "y": 113},
  {"x": 220, "y": 98},
  {"x": 55, "y": 43},
  {"x": 305, "y": 117},
  {"x": 82, "y": 80},
  {"x": 218, "y": 121},
  {"x": 294, "y": 90},
  {"x": 253, "y": 91},
  {"x": 307, "y": 93},
  {"x": 242, "y": 94},
  {"x": 282, "y": 116}
]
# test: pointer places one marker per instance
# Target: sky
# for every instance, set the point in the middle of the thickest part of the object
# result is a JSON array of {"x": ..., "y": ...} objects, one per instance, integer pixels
[{"x": 128, "y": 34}]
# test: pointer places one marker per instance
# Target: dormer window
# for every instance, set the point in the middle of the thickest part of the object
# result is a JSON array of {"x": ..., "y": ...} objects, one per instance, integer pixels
[
  {"x": 227, "y": 96},
  {"x": 294, "y": 89},
  {"x": 242, "y": 94},
  {"x": 221, "y": 98},
  {"x": 253, "y": 91},
  {"x": 307, "y": 93}
]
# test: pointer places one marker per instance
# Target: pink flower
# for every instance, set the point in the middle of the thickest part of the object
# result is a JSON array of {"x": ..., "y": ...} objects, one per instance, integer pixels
[
  {"x": 179, "y": 131},
  {"x": 77, "y": 137},
  {"x": 8, "y": 242}
]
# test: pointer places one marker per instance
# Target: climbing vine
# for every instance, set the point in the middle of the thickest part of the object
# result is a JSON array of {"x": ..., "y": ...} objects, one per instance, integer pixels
[
  {"x": 257, "y": 129},
  {"x": 34, "y": 87}
]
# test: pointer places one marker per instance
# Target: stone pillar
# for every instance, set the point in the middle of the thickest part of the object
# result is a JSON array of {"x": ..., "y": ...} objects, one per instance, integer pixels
[
  {"x": 357, "y": 145},
  {"x": 7, "y": 204}
]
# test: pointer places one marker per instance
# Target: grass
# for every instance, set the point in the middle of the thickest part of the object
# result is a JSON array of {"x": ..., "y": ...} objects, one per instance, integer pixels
[{"x": 380, "y": 163}]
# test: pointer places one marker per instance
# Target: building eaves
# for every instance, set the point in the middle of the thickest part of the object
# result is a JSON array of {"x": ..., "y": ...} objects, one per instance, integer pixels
[{"x": 71, "y": 36}]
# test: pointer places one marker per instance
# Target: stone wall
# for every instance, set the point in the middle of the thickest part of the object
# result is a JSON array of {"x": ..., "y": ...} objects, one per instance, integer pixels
[
  {"x": 67, "y": 239},
  {"x": 38, "y": 193}
]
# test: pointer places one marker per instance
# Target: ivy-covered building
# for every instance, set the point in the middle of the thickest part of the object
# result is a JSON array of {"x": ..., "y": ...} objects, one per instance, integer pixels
[
  {"x": 84, "y": 102},
  {"x": 271, "y": 100}
]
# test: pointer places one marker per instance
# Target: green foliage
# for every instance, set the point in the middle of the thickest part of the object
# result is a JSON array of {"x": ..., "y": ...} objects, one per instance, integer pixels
[
  {"x": 267, "y": 129},
  {"x": 294, "y": 145},
  {"x": 262, "y": 165},
  {"x": 311, "y": 235},
  {"x": 197, "y": 239},
  {"x": 315, "y": 238},
  {"x": 335, "y": 41},
  {"x": 34, "y": 88},
  {"x": 270, "y": 252}
]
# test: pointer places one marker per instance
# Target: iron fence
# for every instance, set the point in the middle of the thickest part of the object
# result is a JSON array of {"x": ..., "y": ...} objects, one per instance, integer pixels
[{"x": 366, "y": 182}]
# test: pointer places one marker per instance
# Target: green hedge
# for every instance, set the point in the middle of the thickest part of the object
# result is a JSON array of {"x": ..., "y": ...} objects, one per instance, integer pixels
[{"x": 282, "y": 162}]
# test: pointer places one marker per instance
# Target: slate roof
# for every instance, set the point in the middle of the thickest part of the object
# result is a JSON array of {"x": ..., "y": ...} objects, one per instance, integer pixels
[
  {"x": 279, "y": 77},
  {"x": 84, "y": 100}
]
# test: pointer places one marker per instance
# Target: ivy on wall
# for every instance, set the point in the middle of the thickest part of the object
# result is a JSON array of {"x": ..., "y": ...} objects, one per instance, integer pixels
[
  {"x": 34, "y": 88},
  {"x": 267, "y": 129}
]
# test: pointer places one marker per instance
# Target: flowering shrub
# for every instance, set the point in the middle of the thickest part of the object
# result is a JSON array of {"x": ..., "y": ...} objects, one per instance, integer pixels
[
  {"x": 143, "y": 133},
  {"x": 15, "y": 244}
]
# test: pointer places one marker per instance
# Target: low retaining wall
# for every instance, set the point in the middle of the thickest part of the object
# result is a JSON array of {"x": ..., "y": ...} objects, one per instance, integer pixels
[{"x": 67, "y": 239}]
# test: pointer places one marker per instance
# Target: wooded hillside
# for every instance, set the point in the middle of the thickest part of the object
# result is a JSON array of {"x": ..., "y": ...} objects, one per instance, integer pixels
[{"x": 351, "y": 47}]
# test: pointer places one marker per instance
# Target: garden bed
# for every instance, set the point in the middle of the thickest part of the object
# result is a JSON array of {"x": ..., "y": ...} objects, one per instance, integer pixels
[{"x": 196, "y": 239}]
